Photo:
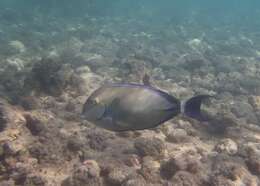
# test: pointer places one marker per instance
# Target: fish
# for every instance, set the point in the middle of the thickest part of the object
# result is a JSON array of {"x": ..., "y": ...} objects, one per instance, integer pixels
[{"x": 131, "y": 106}]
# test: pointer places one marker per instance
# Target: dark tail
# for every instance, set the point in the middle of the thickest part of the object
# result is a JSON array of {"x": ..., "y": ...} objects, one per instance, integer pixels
[{"x": 192, "y": 107}]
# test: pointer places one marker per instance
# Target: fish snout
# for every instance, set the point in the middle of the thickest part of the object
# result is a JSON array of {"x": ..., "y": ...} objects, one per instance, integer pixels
[{"x": 82, "y": 116}]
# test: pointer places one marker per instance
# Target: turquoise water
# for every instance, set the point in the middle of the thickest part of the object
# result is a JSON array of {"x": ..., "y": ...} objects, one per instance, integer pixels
[
  {"x": 220, "y": 10},
  {"x": 55, "y": 53},
  {"x": 240, "y": 14}
]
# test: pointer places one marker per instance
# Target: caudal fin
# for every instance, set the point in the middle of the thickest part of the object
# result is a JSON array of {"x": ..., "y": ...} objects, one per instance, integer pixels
[{"x": 192, "y": 107}]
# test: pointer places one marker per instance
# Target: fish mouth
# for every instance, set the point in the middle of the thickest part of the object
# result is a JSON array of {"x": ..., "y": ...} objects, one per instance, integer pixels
[
  {"x": 82, "y": 116},
  {"x": 89, "y": 116}
]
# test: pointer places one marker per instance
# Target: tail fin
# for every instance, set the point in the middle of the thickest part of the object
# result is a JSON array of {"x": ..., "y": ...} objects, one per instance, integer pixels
[{"x": 192, "y": 107}]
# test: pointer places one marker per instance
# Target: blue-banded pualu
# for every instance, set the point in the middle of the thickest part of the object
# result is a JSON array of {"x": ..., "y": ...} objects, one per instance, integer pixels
[{"x": 128, "y": 106}]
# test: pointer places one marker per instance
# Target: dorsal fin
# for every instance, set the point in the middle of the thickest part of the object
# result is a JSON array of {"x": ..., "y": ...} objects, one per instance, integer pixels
[{"x": 146, "y": 80}]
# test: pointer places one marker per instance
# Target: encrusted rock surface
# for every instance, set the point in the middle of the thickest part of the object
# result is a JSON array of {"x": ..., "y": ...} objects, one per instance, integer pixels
[
  {"x": 227, "y": 146},
  {"x": 48, "y": 67},
  {"x": 153, "y": 147}
]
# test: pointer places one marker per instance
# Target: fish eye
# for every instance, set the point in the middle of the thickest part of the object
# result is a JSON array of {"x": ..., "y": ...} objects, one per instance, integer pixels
[
  {"x": 89, "y": 104},
  {"x": 92, "y": 101}
]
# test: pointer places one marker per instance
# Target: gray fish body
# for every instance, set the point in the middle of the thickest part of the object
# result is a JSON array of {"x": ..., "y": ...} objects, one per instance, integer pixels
[{"x": 122, "y": 107}]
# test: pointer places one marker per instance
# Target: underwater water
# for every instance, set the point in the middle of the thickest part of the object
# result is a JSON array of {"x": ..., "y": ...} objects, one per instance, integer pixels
[{"x": 55, "y": 54}]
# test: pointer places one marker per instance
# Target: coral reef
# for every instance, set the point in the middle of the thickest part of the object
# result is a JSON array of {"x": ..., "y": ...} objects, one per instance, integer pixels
[{"x": 49, "y": 66}]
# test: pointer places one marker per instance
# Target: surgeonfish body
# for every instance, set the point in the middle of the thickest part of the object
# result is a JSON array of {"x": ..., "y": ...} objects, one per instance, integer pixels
[{"x": 124, "y": 107}]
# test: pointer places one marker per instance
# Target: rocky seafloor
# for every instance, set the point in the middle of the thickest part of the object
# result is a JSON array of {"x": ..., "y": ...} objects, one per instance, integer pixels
[{"x": 48, "y": 67}]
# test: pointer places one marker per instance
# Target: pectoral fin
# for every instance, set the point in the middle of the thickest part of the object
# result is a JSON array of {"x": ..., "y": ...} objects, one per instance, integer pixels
[
  {"x": 115, "y": 115},
  {"x": 114, "y": 105},
  {"x": 96, "y": 113},
  {"x": 112, "y": 110}
]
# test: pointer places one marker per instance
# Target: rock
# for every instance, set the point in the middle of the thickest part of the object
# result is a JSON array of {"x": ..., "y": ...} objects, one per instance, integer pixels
[
  {"x": 255, "y": 102},
  {"x": 53, "y": 54},
  {"x": 234, "y": 175},
  {"x": 86, "y": 174},
  {"x": 94, "y": 61},
  {"x": 244, "y": 110},
  {"x": 250, "y": 84},
  {"x": 192, "y": 62},
  {"x": 230, "y": 86},
  {"x": 72, "y": 47},
  {"x": 8, "y": 183},
  {"x": 257, "y": 113},
  {"x": 199, "y": 46},
  {"x": 150, "y": 163},
  {"x": 158, "y": 73},
  {"x": 93, "y": 167},
  {"x": 221, "y": 122},
  {"x": 17, "y": 46},
  {"x": 19, "y": 173},
  {"x": 150, "y": 147},
  {"x": 34, "y": 124},
  {"x": 179, "y": 133},
  {"x": 11, "y": 79},
  {"x": 253, "y": 163},
  {"x": 49, "y": 103},
  {"x": 179, "y": 75},
  {"x": 83, "y": 70},
  {"x": 243, "y": 177},
  {"x": 230, "y": 171},
  {"x": 12, "y": 148},
  {"x": 71, "y": 106},
  {"x": 181, "y": 163},
  {"x": 3, "y": 168},
  {"x": 3, "y": 118},
  {"x": 224, "y": 66},
  {"x": 2, "y": 152},
  {"x": 74, "y": 144},
  {"x": 87, "y": 82},
  {"x": 87, "y": 154},
  {"x": 65, "y": 75},
  {"x": 45, "y": 76},
  {"x": 186, "y": 125},
  {"x": 108, "y": 72},
  {"x": 29, "y": 103},
  {"x": 118, "y": 175},
  {"x": 133, "y": 161},
  {"x": 220, "y": 181},
  {"x": 14, "y": 65},
  {"x": 39, "y": 151},
  {"x": 98, "y": 140},
  {"x": 227, "y": 146},
  {"x": 35, "y": 180},
  {"x": 135, "y": 182},
  {"x": 178, "y": 136},
  {"x": 183, "y": 178},
  {"x": 108, "y": 164},
  {"x": 67, "y": 182},
  {"x": 170, "y": 167},
  {"x": 195, "y": 43},
  {"x": 150, "y": 170}
]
